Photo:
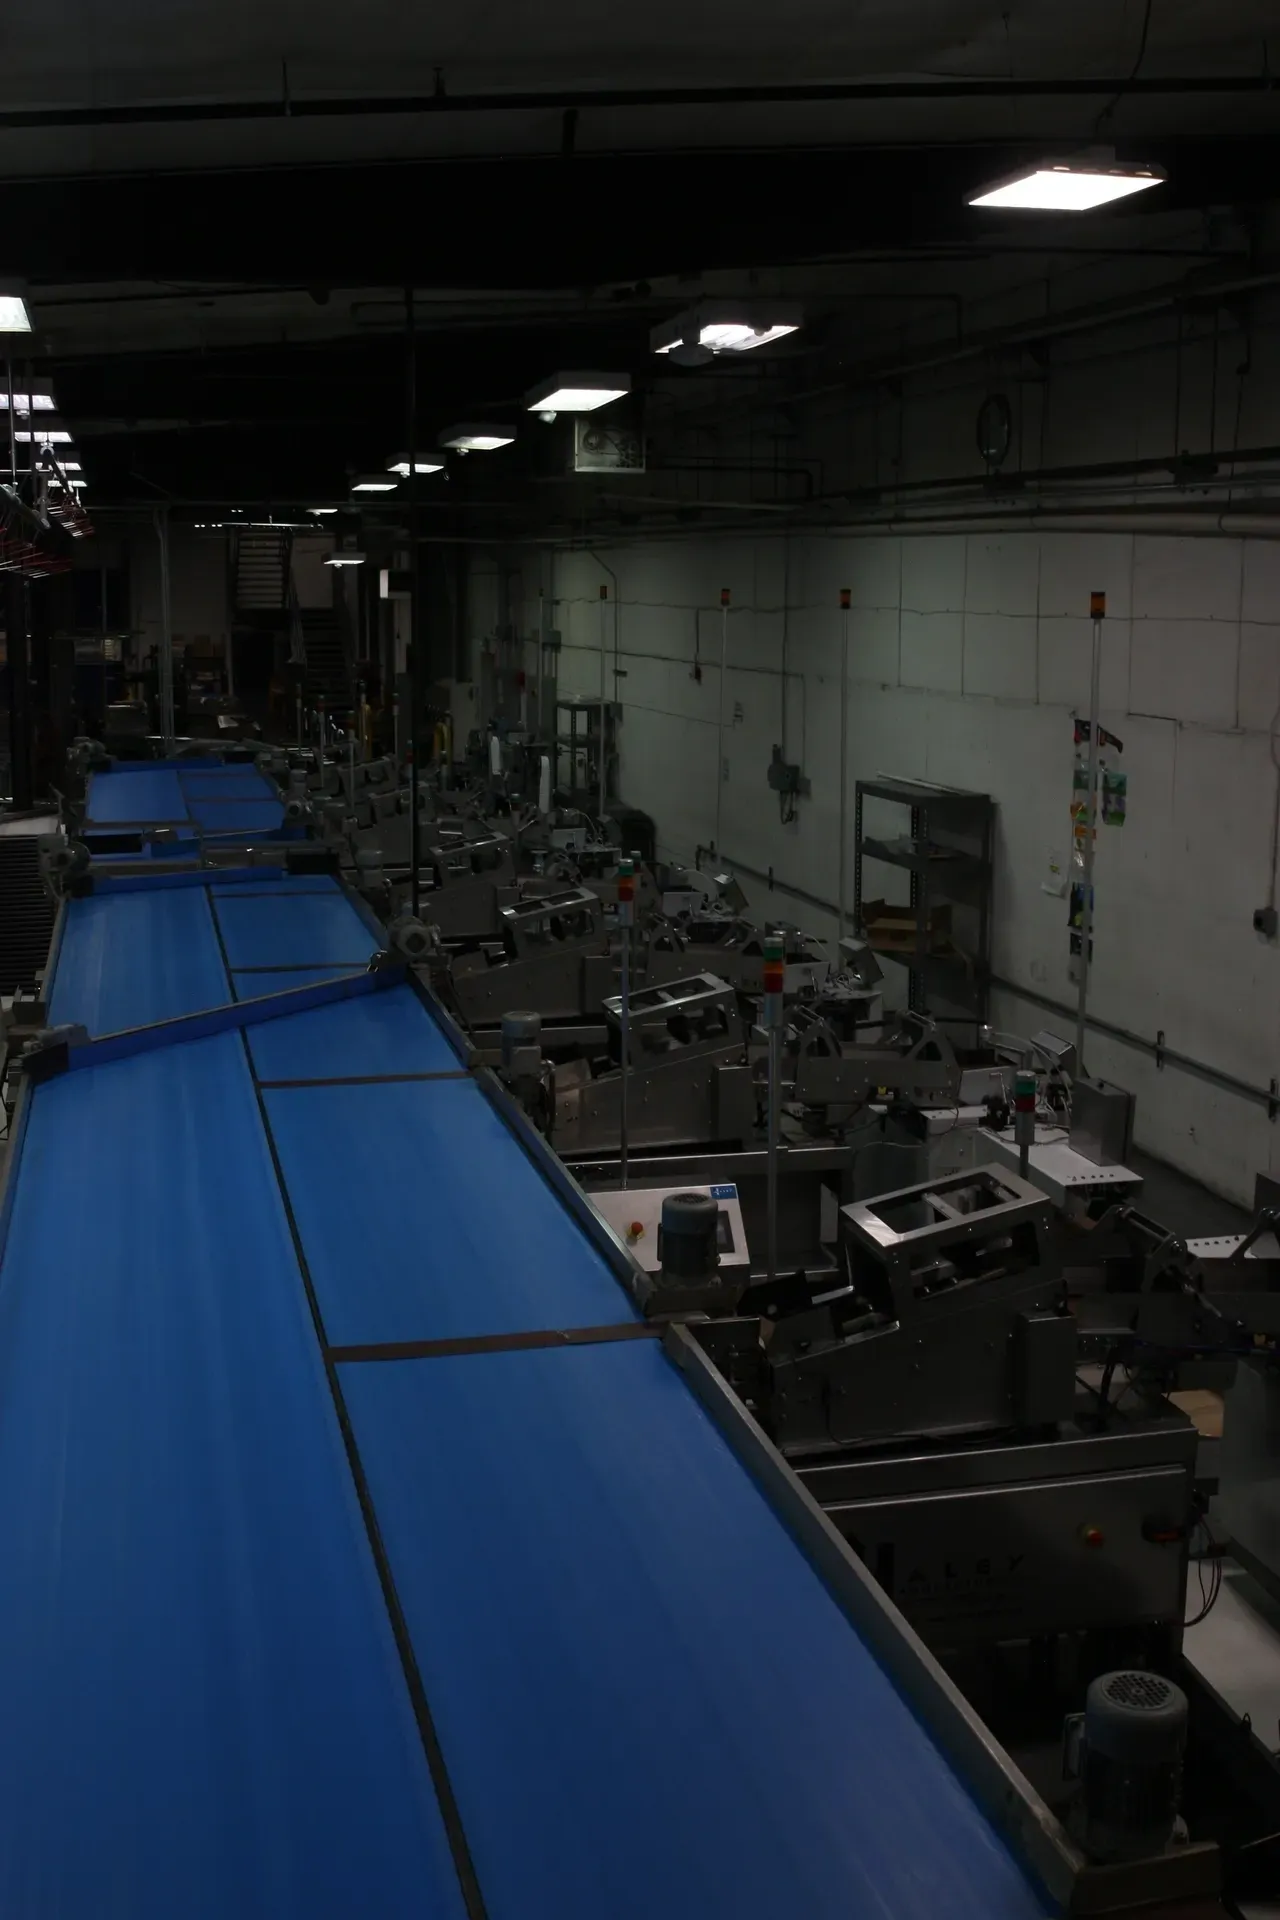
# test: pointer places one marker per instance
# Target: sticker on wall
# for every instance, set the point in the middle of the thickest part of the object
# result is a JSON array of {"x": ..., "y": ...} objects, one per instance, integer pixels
[
  {"x": 1115, "y": 795},
  {"x": 1055, "y": 874}
]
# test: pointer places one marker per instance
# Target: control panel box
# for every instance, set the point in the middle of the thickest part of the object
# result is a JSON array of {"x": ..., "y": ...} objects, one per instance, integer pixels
[{"x": 635, "y": 1215}]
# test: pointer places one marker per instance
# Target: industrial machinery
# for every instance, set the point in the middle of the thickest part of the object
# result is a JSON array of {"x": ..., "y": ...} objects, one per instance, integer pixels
[
  {"x": 833, "y": 1080},
  {"x": 530, "y": 1418},
  {"x": 950, "y": 1321},
  {"x": 733, "y": 948},
  {"x": 687, "y": 1078},
  {"x": 554, "y": 960},
  {"x": 689, "y": 1242}
]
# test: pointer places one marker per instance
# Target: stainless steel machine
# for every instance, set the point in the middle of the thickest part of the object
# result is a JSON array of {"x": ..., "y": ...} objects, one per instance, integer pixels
[
  {"x": 687, "y": 1080},
  {"x": 554, "y": 960}
]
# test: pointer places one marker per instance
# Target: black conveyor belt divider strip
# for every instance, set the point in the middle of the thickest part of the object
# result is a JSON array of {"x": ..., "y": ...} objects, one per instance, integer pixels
[
  {"x": 307, "y": 966},
  {"x": 366, "y": 1079},
  {"x": 464, "y": 1866},
  {"x": 496, "y": 1343}
]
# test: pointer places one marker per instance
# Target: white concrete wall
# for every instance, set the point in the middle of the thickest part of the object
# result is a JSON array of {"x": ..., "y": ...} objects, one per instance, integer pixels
[
  {"x": 968, "y": 656},
  {"x": 970, "y": 649}
]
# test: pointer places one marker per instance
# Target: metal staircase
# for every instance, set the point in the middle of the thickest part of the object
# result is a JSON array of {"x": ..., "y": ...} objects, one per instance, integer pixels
[
  {"x": 260, "y": 577},
  {"x": 26, "y": 912},
  {"x": 326, "y": 673}
]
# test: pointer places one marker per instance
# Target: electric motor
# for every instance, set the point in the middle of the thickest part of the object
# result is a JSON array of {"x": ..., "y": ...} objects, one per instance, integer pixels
[
  {"x": 687, "y": 1236},
  {"x": 1127, "y": 1751}
]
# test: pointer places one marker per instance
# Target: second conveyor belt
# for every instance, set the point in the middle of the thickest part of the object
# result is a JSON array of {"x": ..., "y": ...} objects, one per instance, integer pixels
[{"x": 331, "y": 1589}]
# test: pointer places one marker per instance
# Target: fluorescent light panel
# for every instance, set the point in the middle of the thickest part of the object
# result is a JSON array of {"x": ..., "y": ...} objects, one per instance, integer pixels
[
  {"x": 14, "y": 317},
  {"x": 319, "y": 510},
  {"x": 1068, "y": 186},
  {"x": 727, "y": 326},
  {"x": 476, "y": 439},
  {"x": 400, "y": 465},
  {"x": 374, "y": 483},
  {"x": 44, "y": 436},
  {"x": 348, "y": 559},
  {"x": 577, "y": 392},
  {"x": 26, "y": 402}
]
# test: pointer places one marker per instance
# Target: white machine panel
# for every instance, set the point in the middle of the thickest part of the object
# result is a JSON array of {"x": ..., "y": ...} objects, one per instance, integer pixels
[
  {"x": 1057, "y": 1169},
  {"x": 635, "y": 1214}
]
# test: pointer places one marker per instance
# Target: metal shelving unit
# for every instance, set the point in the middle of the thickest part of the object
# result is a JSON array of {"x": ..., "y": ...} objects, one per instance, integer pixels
[{"x": 947, "y": 847}]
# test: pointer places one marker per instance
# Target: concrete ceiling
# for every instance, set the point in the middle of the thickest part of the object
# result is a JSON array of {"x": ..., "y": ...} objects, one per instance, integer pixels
[
  {"x": 93, "y": 85},
  {"x": 218, "y": 204}
]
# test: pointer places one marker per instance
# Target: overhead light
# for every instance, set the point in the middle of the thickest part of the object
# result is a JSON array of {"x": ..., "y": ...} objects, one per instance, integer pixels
[
  {"x": 1069, "y": 186},
  {"x": 476, "y": 439},
  {"x": 49, "y": 433},
  {"x": 14, "y": 317},
  {"x": 725, "y": 326},
  {"x": 77, "y": 486},
  {"x": 421, "y": 464},
  {"x": 26, "y": 402},
  {"x": 345, "y": 557},
  {"x": 577, "y": 392},
  {"x": 374, "y": 483},
  {"x": 70, "y": 466},
  {"x": 319, "y": 510}
]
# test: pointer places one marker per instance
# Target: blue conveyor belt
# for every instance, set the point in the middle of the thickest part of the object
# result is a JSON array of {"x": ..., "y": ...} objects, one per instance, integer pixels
[
  {"x": 391, "y": 1033},
  {"x": 214, "y": 798},
  {"x": 247, "y": 986},
  {"x": 421, "y": 1219},
  {"x": 203, "y": 1713},
  {"x": 264, "y": 930},
  {"x": 647, "y": 1702},
  {"x": 132, "y": 958},
  {"x": 135, "y": 794},
  {"x": 230, "y": 783},
  {"x": 236, "y": 816},
  {"x": 650, "y": 1703}
]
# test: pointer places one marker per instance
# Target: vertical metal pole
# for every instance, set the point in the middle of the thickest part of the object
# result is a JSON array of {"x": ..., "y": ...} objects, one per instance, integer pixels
[
  {"x": 415, "y": 604},
  {"x": 166, "y": 633},
  {"x": 18, "y": 673},
  {"x": 1091, "y": 827},
  {"x": 604, "y": 709},
  {"x": 724, "y": 674},
  {"x": 774, "y": 983},
  {"x": 301, "y": 740},
  {"x": 841, "y": 916},
  {"x": 626, "y": 914},
  {"x": 13, "y": 425}
]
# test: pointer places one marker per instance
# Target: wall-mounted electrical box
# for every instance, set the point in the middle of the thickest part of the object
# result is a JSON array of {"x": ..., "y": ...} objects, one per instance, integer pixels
[{"x": 785, "y": 776}]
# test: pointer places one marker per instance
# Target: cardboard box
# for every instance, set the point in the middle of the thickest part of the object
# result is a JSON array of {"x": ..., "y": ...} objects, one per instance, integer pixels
[{"x": 892, "y": 929}]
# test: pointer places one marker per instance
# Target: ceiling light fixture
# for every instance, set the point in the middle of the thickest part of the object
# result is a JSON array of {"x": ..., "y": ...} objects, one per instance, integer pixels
[
  {"x": 576, "y": 392},
  {"x": 14, "y": 315},
  {"x": 724, "y": 326},
  {"x": 319, "y": 510},
  {"x": 421, "y": 464},
  {"x": 26, "y": 402},
  {"x": 476, "y": 439},
  {"x": 49, "y": 433},
  {"x": 374, "y": 483},
  {"x": 345, "y": 557},
  {"x": 1090, "y": 180}
]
